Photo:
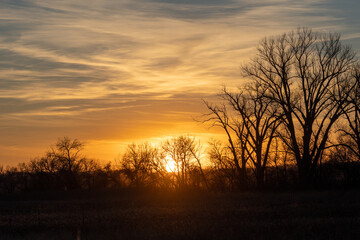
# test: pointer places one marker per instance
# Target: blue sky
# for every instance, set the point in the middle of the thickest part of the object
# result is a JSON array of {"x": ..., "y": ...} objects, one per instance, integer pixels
[{"x": 113, "y": 72}]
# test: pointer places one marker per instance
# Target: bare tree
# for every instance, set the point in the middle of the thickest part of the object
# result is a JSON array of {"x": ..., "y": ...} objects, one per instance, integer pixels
[
  {"x": 88, "y": 170},
  {"x": 220, "y": 116},
  {"x": 260, "y": 121},
  {"x": 64, "y": 166},
  {"x": 250, "y": 128},
  {"x": 137, "y": 163},
  {"x": 224, "y": 174},
  {"x": 306, "y": 76},
  {"x": 185, "y": 152},
  {"x": 67, "y": 154},
  {"x": 44, "y": 165},
  {"x": 350, "y": 131},
  {"x": 66, "y": 157}
]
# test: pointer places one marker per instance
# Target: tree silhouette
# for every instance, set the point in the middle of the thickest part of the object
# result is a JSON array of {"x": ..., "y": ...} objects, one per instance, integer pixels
[
  {"x": 185, "y": 152},
  {"x": 236, "y": 134},
  {"x": 224, "y": 174},
  {"x": 260, "y": 121},
  {"x": 250, "y": 128},
  {"x": 63, "y": 162},
  {"x": 306, "y": 76},
  {"x": 350, "y": 134},
  {"x": 137, "y": 163}
]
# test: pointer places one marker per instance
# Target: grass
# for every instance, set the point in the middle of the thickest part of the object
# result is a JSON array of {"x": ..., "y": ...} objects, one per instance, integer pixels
[{"x": 106, "y": 215}]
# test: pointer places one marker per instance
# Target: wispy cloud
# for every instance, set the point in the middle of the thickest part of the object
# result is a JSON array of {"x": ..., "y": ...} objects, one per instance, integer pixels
[{"x": 122, "y": 70}]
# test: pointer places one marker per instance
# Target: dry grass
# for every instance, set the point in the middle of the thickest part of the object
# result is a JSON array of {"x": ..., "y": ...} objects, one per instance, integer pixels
[{"x": 299, "y": 215}]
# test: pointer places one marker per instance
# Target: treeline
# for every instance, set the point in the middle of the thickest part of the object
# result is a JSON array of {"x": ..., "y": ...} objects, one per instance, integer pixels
[
  {"x": 174, "y": 165},
  {"x": 293, "y": 122}
]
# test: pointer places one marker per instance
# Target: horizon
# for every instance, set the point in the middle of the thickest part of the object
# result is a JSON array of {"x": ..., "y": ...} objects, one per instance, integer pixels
[{"x": 110, "y": 74}]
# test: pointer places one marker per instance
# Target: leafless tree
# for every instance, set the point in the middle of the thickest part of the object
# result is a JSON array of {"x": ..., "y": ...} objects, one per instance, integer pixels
[
  {"x": 306, "y": 76},
  {"x": 44, "y": 165},
  {"x": 67, "y": 158},
  {"x": 250, "y": 128},
  {"x": 64, "y": 166},
  {"x": 67, "y": 154},
  {"x": 220, "y": 116},
  {"x": 223, "y": 175},
  {"x": 137, "y": 163},
  {"x": 185, "y": 152},
  {"x": 88, "y": 170},
  {"x": 350, "y": 131},
  {"x": 260, "y": 121}
]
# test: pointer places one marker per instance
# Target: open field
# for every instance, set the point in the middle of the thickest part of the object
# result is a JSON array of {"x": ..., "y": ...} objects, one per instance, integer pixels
[{"x": 104, "y": 215}]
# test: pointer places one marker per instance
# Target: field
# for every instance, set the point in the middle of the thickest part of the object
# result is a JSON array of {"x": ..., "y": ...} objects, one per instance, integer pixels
[{"x": 106, "y": 215}]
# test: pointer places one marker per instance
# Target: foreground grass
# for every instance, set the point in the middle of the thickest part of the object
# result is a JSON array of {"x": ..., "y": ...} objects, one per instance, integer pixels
[{"x": 298, "y": 215}]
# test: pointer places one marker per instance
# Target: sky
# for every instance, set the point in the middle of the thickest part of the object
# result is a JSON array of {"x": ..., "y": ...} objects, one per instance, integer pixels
[{"x": 115, "y": 72}]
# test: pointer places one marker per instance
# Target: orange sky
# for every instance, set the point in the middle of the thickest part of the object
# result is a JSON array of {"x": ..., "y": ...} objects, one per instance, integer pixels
[{"x": 115, "y": 72}]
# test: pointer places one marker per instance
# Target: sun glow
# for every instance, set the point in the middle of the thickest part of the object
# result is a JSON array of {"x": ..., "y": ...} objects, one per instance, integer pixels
[{"x": 170, "y": 164}]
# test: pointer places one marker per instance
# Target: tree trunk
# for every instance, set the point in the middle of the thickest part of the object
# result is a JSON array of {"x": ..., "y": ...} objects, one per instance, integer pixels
[
  {"x": 305, "y": 173},
  {"x": 260, "y": 178}
]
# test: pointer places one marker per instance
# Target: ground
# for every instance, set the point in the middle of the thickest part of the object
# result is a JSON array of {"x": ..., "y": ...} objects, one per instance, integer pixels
[{"x": 331, "y": 214}]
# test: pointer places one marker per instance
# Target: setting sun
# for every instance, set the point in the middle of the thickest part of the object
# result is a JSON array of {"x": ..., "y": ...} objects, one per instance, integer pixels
[{"x": 170, "y": 164}]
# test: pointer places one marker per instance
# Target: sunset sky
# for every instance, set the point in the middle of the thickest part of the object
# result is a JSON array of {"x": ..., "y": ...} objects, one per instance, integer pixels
[{"x": 114, "y": 72}]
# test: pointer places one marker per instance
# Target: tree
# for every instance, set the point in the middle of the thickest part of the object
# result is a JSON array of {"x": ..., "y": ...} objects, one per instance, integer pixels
[
  {"x": 236, "y": 135},
  {"x": 64, "y": 166},
  {"x": 260, "y": 120},
  {"x": 137, "y": 163},
  {"x": 306, "y": 76},
  {"x": 253, "y": 123},
  {"x": 89, "y": 169},
  {"x": 350, "y": 134},
  {"x": 67, "y": 154},
  {"x": 185, "y": 152},
  {"x": 64, "y": 161},
  {"x": 224, "y": 174}
]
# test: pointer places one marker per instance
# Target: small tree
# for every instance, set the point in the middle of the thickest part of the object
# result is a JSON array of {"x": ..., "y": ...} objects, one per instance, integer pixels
[
  {"x": 137, "y": 163},
  {"x": 185, "y": 152},
  {"x": 224, "y": 175},
  {"x": 63, "y": 161}
]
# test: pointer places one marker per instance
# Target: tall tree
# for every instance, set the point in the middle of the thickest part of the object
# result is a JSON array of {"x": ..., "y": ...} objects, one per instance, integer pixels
[
  {"x": 350, "y": 132},
  {"x": 250, "y": 123},
  {"x": 306, "y": 76},
  {"x": 260, "y": 122},
  {"x": 221, "y": 115}
]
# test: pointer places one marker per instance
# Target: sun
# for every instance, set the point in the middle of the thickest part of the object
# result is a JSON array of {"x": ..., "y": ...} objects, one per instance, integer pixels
[{"x": 170, "y": 164}]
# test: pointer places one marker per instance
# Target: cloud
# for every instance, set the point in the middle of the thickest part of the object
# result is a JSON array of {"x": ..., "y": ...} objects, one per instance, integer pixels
[{"x": 134, "y": 69}]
